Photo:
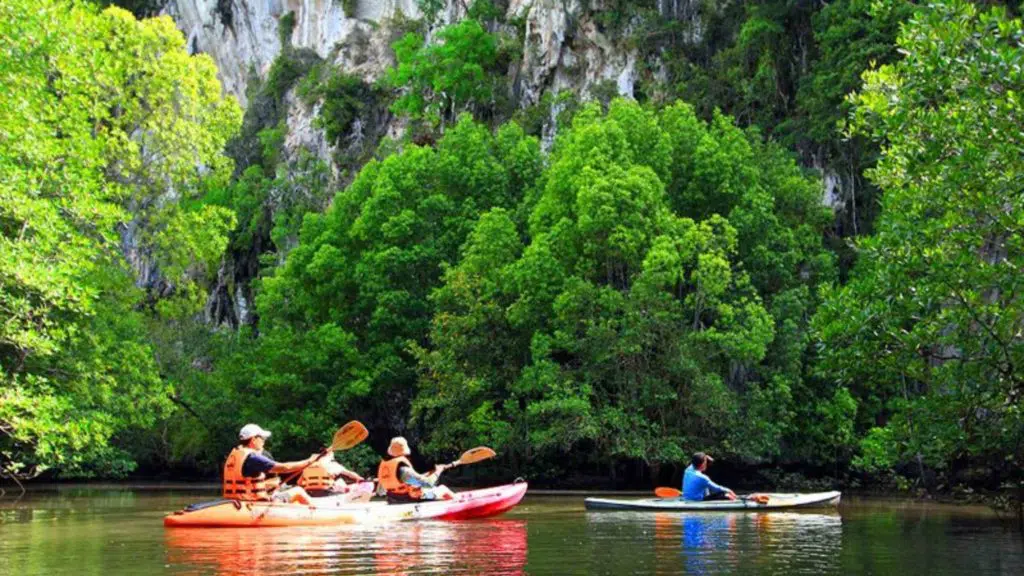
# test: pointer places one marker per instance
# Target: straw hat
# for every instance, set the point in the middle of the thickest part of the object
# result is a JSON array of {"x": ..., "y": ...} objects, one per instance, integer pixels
[{"x": 398, "y": 447}]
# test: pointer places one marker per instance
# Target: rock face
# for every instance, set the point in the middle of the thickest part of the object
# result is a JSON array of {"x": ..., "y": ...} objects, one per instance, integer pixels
[
  {"x": 564, "y": 48},
  {"x": 240, "y": 35},
  {"x": 243, "y": 37}
]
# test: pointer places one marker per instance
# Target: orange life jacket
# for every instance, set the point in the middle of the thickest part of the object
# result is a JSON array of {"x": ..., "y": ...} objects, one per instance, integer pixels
[
  {"x": 316, "y": 477},
  {"x": 239, "y": 487},
  {"x": 387, "y": 478}
]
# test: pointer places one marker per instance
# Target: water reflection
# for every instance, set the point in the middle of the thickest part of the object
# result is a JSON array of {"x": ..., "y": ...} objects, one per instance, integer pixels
[
  {"x": 120, "y": 534},
  {"x": 495, "y": 546},
  {"x": 716, "y": 543}
]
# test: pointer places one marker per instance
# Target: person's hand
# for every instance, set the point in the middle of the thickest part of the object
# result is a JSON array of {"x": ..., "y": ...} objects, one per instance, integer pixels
[
  {"x": 312, "y": 458},
  {"x": 730, "y": 495}
]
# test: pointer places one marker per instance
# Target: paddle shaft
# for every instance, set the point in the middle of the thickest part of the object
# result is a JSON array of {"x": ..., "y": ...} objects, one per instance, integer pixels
[
  {"x": 348, "y": 436},
  {"x": 666, "y": 492}
]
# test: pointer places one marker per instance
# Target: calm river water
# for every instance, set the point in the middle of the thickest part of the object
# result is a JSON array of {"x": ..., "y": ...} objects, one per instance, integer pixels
[{"x": 113, "y": 532}]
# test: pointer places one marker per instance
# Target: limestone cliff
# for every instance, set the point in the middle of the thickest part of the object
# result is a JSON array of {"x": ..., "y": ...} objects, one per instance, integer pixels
[{"x": 563, "y": 46}]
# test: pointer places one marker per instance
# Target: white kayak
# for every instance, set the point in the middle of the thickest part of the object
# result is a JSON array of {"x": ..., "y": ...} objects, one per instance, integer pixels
[{"x": 775, "y": 502}]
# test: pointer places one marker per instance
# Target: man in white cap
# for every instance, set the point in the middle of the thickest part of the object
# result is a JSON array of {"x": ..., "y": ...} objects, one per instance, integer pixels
[
  {"x": 246, "y": 469},
  {"x": 401, "y": 481}
]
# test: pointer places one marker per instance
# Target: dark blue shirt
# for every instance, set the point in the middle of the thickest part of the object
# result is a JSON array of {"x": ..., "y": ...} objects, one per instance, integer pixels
[{"x": 257, "y": 464}]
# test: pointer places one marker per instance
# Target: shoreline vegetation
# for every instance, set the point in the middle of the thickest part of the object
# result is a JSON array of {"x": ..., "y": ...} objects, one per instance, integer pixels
[
  {"x": 983, "y": 504},
  {"x": 659, "y": 277}
]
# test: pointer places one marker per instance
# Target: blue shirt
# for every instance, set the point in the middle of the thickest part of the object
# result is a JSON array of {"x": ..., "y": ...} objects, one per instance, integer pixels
[
  {"x": 256, "y": 464},
  {"x": 696, "y": 485}
]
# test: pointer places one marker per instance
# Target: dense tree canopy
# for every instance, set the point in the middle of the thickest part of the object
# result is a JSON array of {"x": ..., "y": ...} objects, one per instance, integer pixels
[
  {"x": 620, "y": 315},
  {"x": 109, "y": 128},
  {"x": 337, "y": 318},
  {"x": 927, "y": 334}
]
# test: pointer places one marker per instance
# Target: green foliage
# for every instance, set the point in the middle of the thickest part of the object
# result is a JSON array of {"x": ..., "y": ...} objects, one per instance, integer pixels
[
  {"x": 286, "y": 70},
  {"x": 338, "y": 316},
  {"x": 430, "y": 9},
  {"x": 926, "y": 335},
  {"x": 345, "y": 98},
  {"x": 619, "y": 314},
  {"x": 441, "y": 79},
  {"x": 87, "y": 163},
  {"x": 485, "y": 11},
  {"x": 348, "y": 7},
  {"x": 285, "y": 27}
]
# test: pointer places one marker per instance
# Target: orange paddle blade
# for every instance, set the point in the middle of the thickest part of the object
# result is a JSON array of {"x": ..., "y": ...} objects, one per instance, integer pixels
[
  {"x": 474, "y": 455},
  {"x": 349, "y": 435},
  {"x": 666, "y": 492}
]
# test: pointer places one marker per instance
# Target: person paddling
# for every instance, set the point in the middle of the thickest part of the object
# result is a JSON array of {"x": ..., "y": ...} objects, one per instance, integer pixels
[
  {"x": 697, "y": 486},
  {"x": 246, "y": 469},
  {"x": 402, "y": 483},
  {"x": 328, "y": 477}
]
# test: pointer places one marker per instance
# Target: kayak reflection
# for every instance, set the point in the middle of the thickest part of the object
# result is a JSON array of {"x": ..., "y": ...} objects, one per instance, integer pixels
[
  {"x": 495, "y": 546},
  {"x": 485, "y": 547},
  {"x": 709, "y": 543}
]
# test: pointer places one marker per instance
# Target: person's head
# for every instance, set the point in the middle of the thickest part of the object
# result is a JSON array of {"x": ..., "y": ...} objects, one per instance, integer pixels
[
  {"x": 700, "y": 461},
  {"x": 252, "y": 436},
  {"x": 398, "y": 447}
]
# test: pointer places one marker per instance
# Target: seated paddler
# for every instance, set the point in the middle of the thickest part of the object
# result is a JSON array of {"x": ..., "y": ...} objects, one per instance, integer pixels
[
  {"x": 328, "y": 477},
  {"x": 697, "y": 486},
  {"x": 249, "y": 474},
  {"x": 403, "y": 483}
]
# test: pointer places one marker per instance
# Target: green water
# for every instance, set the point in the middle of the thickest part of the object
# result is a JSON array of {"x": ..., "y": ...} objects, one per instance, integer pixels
[{"x": 114, "y": 532}]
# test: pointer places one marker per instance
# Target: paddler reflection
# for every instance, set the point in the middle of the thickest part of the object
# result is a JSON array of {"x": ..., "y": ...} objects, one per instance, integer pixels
[
  {"x": 707, "y": 538},
  {"x": 709, "y": 542},
  {"x": 495, "y": 546}
]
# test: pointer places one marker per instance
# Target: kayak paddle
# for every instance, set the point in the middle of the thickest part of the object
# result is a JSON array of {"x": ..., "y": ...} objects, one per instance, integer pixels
[
  {"x": 666, "y": 492},
  {"x": 471, "y": 456},
  {"x": 348, "y": 436}
]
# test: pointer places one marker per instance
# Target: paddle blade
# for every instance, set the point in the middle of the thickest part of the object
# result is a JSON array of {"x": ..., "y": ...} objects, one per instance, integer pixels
[
  {"x": 476, "y": 455},
  {"x": 349, "y": 436},
  {"x": 666, "y": 492}
]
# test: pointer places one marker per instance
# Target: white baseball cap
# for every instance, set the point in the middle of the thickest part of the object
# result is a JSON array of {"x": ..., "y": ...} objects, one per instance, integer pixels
[{"x": 252, "y": 430}]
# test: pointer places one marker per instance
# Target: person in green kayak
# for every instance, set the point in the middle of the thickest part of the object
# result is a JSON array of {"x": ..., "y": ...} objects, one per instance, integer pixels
[{"x": 696, "y": 484}]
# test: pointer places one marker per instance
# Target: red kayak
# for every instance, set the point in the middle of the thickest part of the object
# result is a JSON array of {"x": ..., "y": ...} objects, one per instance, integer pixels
[{"x": 337, "y": 510}]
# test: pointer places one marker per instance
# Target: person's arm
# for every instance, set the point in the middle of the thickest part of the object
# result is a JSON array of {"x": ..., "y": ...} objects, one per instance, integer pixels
[
  {"x": 717, "y": 488},
  {"x": 351, "y": 475},
  {"x": 410, "y": 476},
  {"x": 288, "y": 467}
]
